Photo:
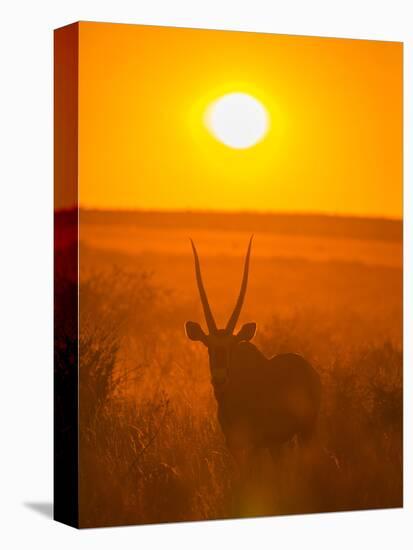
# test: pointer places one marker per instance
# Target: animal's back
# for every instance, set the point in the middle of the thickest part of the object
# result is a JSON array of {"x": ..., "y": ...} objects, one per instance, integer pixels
[{"x": 273, "y": 399}]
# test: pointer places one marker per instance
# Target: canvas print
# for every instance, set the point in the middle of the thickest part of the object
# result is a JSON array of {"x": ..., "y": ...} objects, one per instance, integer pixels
[{"x": 228, "y": 274}]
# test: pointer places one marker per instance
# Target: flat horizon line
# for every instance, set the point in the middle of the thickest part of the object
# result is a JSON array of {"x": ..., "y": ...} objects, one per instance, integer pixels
[{"x": 280, "y": 213}]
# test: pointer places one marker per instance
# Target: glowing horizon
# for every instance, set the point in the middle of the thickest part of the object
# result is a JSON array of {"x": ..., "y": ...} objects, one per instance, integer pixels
[{"x": 334, "y": 145}]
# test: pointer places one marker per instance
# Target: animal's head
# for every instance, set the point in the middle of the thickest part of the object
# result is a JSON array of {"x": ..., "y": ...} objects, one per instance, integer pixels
[{"x": 220, "y": 342}]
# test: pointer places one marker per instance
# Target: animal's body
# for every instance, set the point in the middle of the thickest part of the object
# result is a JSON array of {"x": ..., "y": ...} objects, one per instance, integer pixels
[
  {"x": 266, "y": 402},
  {"x": 262, "y": 403}
]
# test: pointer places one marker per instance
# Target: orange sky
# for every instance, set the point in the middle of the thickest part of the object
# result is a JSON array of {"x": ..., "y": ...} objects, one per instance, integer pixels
[{"x": 334, "y": 145}]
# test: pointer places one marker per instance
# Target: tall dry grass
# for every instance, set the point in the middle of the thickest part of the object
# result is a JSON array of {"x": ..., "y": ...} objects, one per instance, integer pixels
[{"x": 151, "y": 449}]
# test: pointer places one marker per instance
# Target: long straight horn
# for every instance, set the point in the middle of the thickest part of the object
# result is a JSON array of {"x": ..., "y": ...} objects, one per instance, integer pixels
[
  {"x": 207, "y": 310},
  {"x": 238, "y": 306}
]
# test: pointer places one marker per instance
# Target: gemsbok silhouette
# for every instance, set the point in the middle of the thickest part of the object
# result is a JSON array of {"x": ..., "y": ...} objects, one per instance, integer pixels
[{"x": 262, "y": 403}]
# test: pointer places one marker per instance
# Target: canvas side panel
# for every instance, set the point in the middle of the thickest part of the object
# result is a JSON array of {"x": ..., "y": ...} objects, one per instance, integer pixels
[{"x": 66, "y": 284}]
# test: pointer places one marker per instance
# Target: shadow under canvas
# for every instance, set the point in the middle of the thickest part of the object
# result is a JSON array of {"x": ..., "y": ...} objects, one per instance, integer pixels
[{"x": 43, "y": 508}]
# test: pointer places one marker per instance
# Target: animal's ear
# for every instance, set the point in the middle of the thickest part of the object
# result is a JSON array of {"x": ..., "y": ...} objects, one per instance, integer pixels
[
  {"x": 195, "y": 332},
  {"x": 247, "y": 331}
]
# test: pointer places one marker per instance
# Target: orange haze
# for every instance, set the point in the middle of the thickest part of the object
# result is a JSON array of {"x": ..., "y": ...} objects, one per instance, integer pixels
[{"x": 335, "y": 143}]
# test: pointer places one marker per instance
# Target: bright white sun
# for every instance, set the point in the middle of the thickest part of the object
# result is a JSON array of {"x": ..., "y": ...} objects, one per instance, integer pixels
[{"x": 237, "y": 120}]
